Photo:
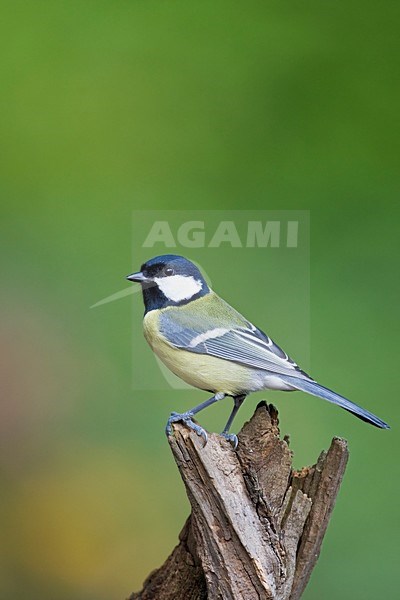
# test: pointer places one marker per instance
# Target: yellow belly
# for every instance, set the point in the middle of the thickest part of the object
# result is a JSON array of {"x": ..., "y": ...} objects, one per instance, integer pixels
[{"x": 200, "y": 370}]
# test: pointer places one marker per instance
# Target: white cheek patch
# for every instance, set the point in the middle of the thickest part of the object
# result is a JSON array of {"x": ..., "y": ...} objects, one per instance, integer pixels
[{"x": 178, "y": 287}]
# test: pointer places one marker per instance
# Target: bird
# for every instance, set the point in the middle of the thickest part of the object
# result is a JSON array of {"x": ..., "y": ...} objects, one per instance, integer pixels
[{"x": 211, "y": 346}]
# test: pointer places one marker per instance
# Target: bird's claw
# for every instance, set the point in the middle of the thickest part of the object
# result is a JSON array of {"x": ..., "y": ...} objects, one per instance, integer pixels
[
  {"x": 232, "y": 438},
  {"x": 186, "y": 419}
]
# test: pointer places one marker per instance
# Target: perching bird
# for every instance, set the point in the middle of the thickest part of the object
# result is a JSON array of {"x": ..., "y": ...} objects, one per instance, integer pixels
[{"x": 208, "y": 344}]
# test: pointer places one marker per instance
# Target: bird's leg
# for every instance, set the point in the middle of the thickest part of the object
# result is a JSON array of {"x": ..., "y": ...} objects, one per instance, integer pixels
[
  {"x": 186, "y": 417},
  {"x": 231, "y": 437}
]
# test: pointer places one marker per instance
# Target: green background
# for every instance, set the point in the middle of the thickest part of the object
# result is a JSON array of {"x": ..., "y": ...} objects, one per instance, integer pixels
[{"x": 110, "y": 107}]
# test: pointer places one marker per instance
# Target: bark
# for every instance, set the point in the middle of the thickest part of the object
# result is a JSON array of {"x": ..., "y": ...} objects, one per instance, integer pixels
[{"x": 256, "y": 526}]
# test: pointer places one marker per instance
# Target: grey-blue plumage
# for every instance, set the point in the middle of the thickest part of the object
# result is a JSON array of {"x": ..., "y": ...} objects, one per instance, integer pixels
[{"x": 316, "y": 389}]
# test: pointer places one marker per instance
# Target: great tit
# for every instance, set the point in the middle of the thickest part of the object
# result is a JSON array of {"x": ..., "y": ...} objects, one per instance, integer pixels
[{"x": 208, "y": 344}]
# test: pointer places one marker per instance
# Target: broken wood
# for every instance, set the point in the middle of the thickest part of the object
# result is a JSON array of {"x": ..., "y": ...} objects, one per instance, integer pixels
[{"x": 256, "y": 526}]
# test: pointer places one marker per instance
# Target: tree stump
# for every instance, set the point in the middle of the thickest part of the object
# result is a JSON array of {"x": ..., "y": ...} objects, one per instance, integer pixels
[{"x": 256, "y": 526}]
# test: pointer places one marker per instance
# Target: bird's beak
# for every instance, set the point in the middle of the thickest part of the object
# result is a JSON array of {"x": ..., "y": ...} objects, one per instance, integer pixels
[{"x": 139, "y": 277}]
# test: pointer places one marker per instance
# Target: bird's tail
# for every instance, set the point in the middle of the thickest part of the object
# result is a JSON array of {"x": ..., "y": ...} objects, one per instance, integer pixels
[{"x": 314, "y": 388}]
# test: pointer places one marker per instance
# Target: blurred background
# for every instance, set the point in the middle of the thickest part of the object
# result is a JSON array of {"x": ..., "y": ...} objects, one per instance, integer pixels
[{"x": 113, "y": 107}]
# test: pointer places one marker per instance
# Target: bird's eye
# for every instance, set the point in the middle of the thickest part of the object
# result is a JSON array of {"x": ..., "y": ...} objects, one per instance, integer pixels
[{"x": 169, "y": 271}]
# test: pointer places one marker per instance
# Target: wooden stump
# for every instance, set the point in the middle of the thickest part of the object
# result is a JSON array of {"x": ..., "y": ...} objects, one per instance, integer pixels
[{"x": 256, "y": 526}]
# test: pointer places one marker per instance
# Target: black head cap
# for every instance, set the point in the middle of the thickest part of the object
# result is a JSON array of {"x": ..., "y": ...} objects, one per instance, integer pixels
[{"x": 169, "y": 280}]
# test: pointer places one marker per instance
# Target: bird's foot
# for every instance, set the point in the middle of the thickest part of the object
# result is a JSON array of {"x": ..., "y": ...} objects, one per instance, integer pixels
[
  {"x": 186, "y": 419},
  {"x": 232, "y": 438}
]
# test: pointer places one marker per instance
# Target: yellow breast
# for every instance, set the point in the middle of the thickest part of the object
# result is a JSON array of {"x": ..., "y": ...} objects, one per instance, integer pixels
[{"x": 200, "y": 370}]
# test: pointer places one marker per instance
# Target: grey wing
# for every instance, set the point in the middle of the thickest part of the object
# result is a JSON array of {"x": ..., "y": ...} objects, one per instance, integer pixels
[{"x": 244, "y": 345}]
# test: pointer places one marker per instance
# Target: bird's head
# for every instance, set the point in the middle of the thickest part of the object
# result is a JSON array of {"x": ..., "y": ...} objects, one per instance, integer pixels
[{"x": 169, "y": 280}]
